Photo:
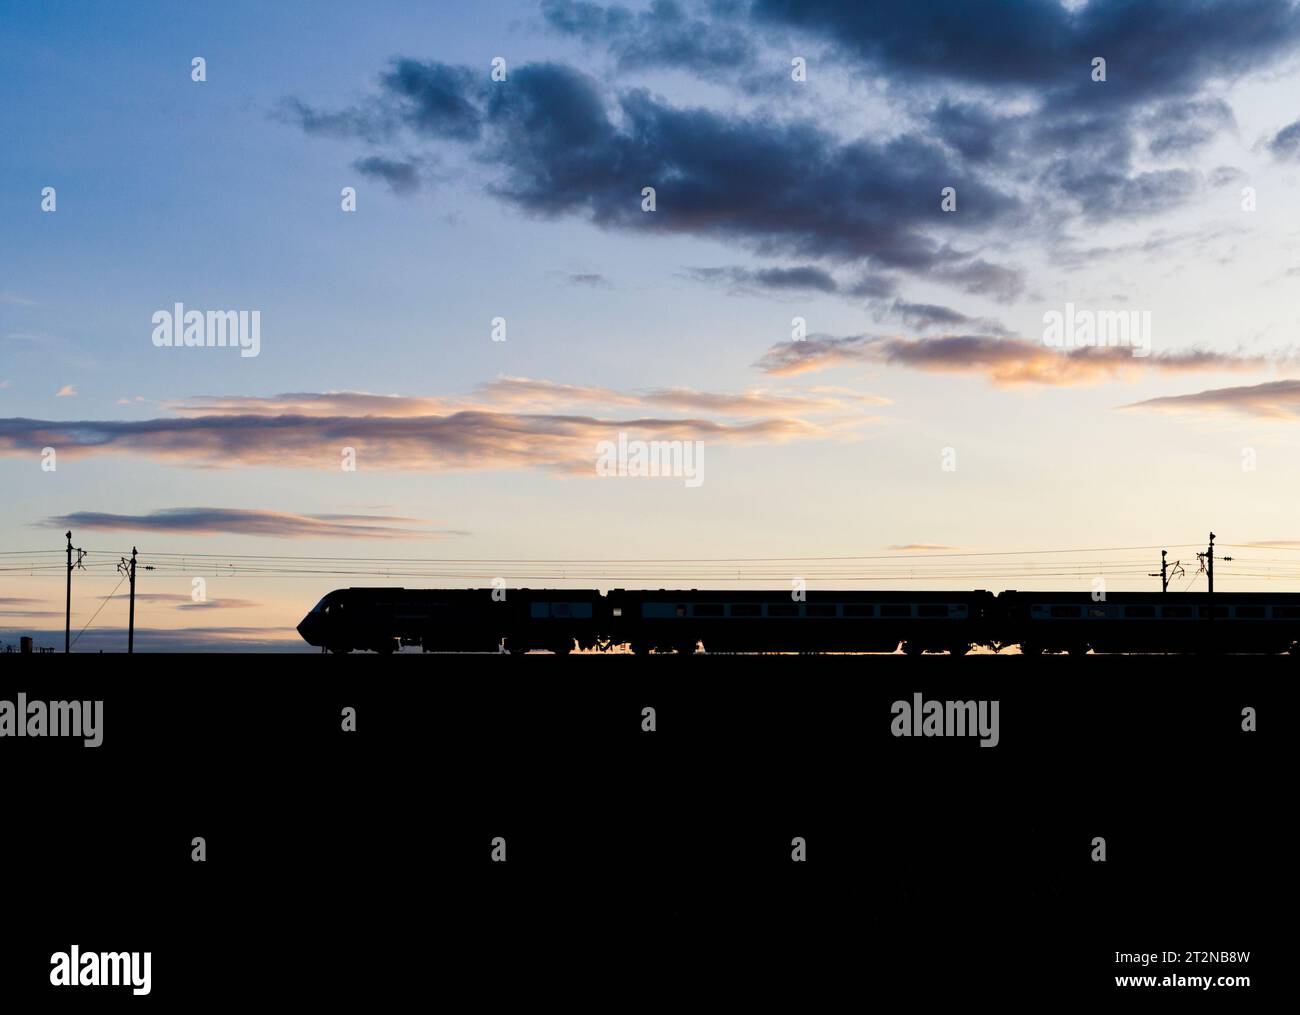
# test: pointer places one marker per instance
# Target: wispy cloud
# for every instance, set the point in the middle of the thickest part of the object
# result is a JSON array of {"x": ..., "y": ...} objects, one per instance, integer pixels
[
  {"x": 1277, "y": 400},
  {"x": 507, "y": 423},
  {"x": 1004, "y": 361},
  {"x": 209, "y": 521}
]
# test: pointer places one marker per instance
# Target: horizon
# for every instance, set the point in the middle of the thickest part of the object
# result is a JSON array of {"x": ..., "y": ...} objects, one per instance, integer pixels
[{"x": 919, "y": 293}]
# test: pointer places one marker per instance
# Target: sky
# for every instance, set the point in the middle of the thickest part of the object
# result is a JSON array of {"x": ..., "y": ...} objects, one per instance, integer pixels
[{"x": 864, "y": 219}]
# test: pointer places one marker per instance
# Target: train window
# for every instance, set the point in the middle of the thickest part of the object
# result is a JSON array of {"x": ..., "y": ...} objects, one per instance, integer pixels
[
  {"x": 820, "y": 609},
  {"x": 859, "y": 610},
  {"x": 782, "y": 610},
  {"x": 895, "y": 610},
  {"x": 1250, "y": 611},
  {"x": 1062, "y": 612},
  {"x": 708, "y": 609},
  {"x": 559, "y": 609},
  {"x": 746, "y": 610},
  {"x": 681, "y": 609},
  {"x": 1219, "y": 611},
  {"x": 1291, "y": 612},
  {"x": 1139, "y": 611},
  {"x": 1179, "y": 612},
  {"x": 932, "y": 610}
]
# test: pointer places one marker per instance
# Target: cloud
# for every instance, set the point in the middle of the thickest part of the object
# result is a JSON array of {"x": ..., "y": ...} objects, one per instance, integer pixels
[
  {"x": 923, "y": 316},
  {"x": 401, "y": 176},
  {"x": 1273, "y": 400},
  {"x": 508, "y": 423},
  {"x": 67, "y": 391},
  {"x": 1004, "y": 361},
  {"x": 561, "y": 148},
  {"x": 921, "y": 546},
  {"x": 208, "y": 521},
  {"x": 800, "y": 278},
  {"x": 1179, "y": 126},
  {"x": 518, "y": 394},
  {"x": 592, "y": 279},
  {"x": 1158, "y": 49},
  {"x": 1285, "y": 144},
  {"x": 662, "y": 36}
]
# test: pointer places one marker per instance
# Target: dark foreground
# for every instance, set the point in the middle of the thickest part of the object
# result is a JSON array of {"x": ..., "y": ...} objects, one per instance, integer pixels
[{"x": 357, "y": 866}]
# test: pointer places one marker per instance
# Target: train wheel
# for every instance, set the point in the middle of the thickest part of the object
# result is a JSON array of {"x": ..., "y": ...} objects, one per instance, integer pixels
[
  {"x": 386, "y": 648},
  {"x": 1030, "y": 649},
  {"x": 960, "y": 650},
  {"x": 1078, "y": 650},
  {"x": 562, "y": 649},
  {"x": 686, "y": 648},
  {"x": 913, "y": 648}
]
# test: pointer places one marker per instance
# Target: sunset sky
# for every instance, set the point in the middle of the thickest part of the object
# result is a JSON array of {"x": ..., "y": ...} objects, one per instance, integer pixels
[{"x": 922, "y": 413}]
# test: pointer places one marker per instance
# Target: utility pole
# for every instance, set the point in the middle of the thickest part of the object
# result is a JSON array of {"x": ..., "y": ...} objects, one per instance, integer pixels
[
  {"x": 1166, "y": 575},
  {"x": 67, "y": 610},
  {"x": 1164, "y": 572},
  {"x": 1207, "y": 562},
  {"x": 1209, "y": 566},
  {"x": 127, "y": 567}
]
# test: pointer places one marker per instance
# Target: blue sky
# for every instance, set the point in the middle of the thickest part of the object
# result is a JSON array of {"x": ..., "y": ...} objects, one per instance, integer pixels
[{"x": 777, "y": 199}]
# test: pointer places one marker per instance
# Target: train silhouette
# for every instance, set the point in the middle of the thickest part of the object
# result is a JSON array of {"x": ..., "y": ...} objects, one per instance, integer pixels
[{"x": 674, "y": 620}]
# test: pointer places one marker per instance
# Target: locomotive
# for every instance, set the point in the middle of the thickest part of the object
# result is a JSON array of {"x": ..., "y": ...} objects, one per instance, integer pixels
[{"x": 684, "y": 621}]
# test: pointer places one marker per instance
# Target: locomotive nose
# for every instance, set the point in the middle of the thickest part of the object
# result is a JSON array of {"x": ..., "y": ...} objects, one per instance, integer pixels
[{"x": 310, "y": 630}]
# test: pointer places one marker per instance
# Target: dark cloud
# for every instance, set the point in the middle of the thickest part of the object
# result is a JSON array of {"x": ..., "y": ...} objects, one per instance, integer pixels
[
  {"x": 366, "y": 123},
  {"x": 777, "y": 188},
  {"x": 923, "y": 316},
  {"x": 1103, "y": 194},
  {"x": 435, "y": 99},
  {"x": 975, "y": 131},
  {"x": 1027, "y": 121},
  {"x": 1177, "y": 127},
  {"x": 1153, "y": 48},
  {"x": 663, "y": 35},
  {"x": 871, "y": 286},
  {"x": 401, "y": 176},
  {"x": 208, "y": 521},
  {"x": 802, "y": 278},
  {"x": 1285, "y": 144},
  {"x": 592, "y": 279}
]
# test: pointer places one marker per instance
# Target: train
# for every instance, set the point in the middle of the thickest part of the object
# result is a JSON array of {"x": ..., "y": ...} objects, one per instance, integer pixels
[{"x": 686, "y": 621}]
